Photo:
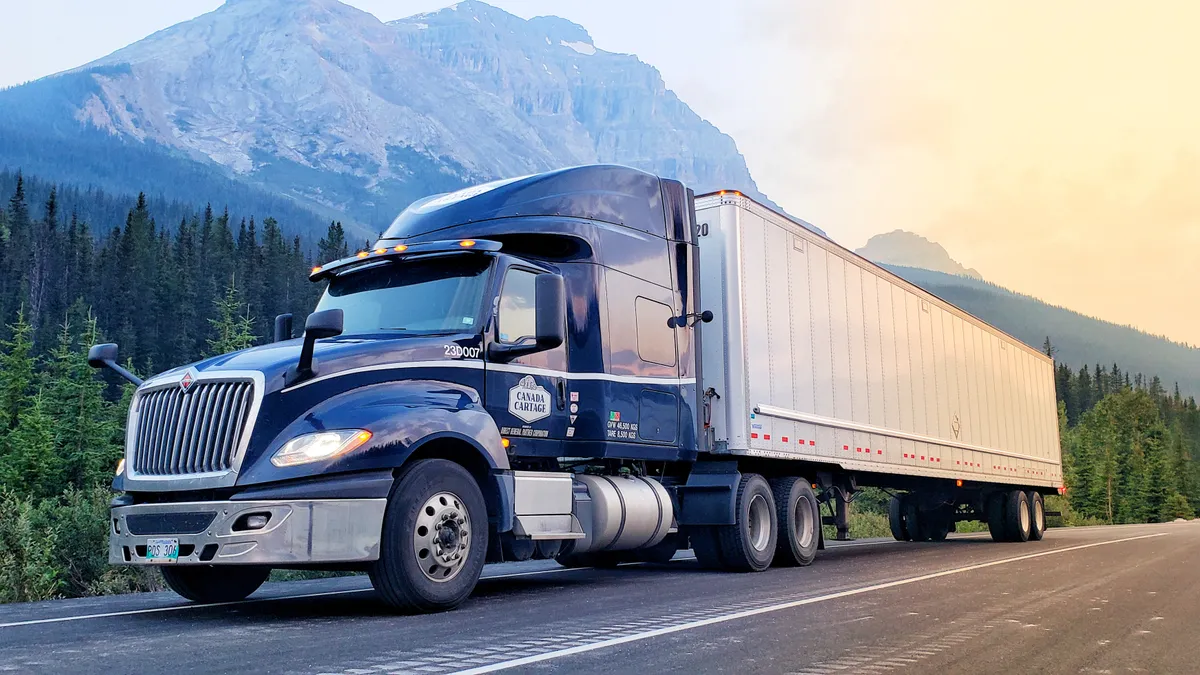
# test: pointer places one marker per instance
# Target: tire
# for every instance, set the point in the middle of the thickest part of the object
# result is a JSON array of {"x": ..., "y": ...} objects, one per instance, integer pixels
[
  {"x": 799, "y": 520},
  {"x": 896, "y": 520},
  {"x": 704, "y": 545},
  {"x": 661, "y": 553},
  {"x": 995, "y": 517},
  {"x": 1037, "y": 515},
  {"x": 937, "y": 523},
  {"x": 215, "y": 584},
  {"x": 749, "y": 544},
  {"x": 1016, "y": 516},
  {"x": 434, "y": 512},
  {"x": 914, "y": 520}
]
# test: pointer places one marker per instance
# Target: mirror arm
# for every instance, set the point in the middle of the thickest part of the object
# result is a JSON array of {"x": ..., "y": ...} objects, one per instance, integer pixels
[{"x": 116, "y": 368}]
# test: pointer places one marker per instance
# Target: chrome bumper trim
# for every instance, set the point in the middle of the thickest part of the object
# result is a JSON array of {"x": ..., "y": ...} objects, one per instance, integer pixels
[{"x": 301, "y": 531}]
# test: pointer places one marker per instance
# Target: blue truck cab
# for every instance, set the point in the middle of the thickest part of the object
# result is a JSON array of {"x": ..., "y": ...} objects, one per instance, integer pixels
[{"x": 509, "y": 372}]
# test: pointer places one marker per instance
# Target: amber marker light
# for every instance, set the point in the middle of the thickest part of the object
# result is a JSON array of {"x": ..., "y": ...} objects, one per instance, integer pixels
[
  {"x": 380, "y": 251},
  {"x": 400, "y": 249},
  {"x": 362, "y": 254},
  {"x": 466, "y": 243},
  {"x": 958, "y": 483},
  {"x": 505, "y": 442},
  {"x": 120, "y": 466},
  {"x": 315, "y": 269}
]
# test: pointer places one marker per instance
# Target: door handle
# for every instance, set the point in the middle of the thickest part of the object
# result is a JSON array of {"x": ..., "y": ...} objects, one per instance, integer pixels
[{"x": 562, "y": 394}]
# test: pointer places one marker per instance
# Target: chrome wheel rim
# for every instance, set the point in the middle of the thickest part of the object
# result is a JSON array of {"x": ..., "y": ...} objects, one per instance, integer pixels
[
  {"x": 441, "y": 537},
  {"x": 804, "y": 522},
  {"x": 760, "y": 523}
]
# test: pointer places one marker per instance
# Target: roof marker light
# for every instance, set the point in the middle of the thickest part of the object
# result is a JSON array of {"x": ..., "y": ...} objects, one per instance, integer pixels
[
  {"x": 400, "y": 249},
  {"x": 315, "y": 269},
  {"x": 380, "y": 251},
  {"x": 467, "y": 243},
  {"x": 362, "y": 254}
]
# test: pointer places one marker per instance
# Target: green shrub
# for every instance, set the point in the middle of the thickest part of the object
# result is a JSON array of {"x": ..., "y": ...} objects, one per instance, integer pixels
[{"x": 27, "y": 547}]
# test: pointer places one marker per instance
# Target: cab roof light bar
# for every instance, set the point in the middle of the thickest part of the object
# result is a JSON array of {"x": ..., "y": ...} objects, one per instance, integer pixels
[{"x": 402, "y": 250}]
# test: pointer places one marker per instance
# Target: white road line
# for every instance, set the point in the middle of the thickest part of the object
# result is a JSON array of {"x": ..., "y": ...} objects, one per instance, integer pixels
[
  {"x": 176, "y": 608},
  {"x": 560, "y": 653}
]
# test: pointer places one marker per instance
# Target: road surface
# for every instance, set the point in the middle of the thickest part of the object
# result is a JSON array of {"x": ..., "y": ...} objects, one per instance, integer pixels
[{"x": 1087, "y": 600}]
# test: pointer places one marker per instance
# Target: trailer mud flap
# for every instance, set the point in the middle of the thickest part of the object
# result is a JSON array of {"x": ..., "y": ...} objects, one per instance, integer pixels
[{"x": 709, "y": 496}]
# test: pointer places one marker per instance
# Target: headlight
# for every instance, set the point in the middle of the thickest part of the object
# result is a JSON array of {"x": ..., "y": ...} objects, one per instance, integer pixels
[{"x": 319, "y": 446}]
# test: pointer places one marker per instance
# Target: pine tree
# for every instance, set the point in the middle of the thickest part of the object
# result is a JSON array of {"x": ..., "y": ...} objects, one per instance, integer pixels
[
  {"x": 233, "y": 326},
  {"x": 29, "y": 465},
  {"x": 333, "y": 246},
  {"x": 16, "y": 371}
]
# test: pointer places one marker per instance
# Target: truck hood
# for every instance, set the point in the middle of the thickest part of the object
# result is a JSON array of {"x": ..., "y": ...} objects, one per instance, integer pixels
[{"x": 332, "y": 355}]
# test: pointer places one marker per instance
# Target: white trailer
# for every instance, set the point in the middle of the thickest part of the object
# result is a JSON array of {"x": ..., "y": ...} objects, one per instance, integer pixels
[{"x": 817, "y": 354}]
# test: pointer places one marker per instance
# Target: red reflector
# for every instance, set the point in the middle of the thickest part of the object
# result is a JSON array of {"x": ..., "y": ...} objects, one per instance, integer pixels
[
  {"x": 785, "y": 439},
  {"x": 767, "y": 437},
  {"x": 879, "y": 452},
  {"x": 812, "y": 442},
  {"x": 753, "y": 435},
  {"x": 845, "y": 447}
]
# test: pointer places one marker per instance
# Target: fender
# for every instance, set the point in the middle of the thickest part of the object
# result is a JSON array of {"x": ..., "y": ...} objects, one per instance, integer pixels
[{"x": 401, "y": 415}]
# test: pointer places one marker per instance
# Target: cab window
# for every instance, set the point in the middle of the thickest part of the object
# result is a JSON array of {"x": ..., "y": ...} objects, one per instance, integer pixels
[{"x": 516, "y": 316}]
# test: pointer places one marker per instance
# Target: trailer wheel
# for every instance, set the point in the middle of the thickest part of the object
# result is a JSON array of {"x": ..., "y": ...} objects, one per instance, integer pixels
[
  {"x": 1037, "y": 516},
  {"x": 435, "y": 538},
  {"x": 749, "y": 544},
  {"x": 896, "y": 520},
  {"x": 936, "y": 524},
  {"x": 914, "y": 520},
  {"x": 215, "y": 584},
  {"x": 799, "y": 520},
  {"x": 1016, "y": 516},
  {"x": 994, "y": 509}
]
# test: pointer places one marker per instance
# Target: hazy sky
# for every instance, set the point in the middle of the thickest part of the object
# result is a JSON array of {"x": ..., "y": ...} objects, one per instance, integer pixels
[{"x": 1054, "y": 147}]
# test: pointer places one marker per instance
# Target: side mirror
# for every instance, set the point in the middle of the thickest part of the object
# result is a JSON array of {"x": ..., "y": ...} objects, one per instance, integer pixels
[
  {"x": 105, "y": 356},
  {"x": 550, "y": 307},
  {"x": 283, "y": 327},
  {"x": 319, "y": 325},
  {"x": 550, "y": 302}
]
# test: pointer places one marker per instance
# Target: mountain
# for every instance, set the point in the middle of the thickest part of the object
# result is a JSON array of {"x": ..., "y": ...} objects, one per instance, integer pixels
[
  {"x": 1078, "y": 339},
  {"x": 319, "y": 105},
  {"x": 908, "y": 249}
]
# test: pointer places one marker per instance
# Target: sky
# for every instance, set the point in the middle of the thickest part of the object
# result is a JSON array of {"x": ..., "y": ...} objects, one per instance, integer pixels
[{"x": 1054, "y": 147}]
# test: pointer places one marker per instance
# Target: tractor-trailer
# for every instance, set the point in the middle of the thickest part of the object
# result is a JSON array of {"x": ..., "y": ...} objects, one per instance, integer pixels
[{"x": 590, "y": 365}]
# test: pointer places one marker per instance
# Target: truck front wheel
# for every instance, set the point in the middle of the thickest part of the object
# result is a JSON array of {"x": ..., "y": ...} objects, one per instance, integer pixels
[
  {"x": 434, "y": 539},
  {"x": 215, "y": 584}
]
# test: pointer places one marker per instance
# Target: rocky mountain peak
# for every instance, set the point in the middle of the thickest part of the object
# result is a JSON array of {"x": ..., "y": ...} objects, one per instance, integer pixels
[{"x": 909, "y": 249}]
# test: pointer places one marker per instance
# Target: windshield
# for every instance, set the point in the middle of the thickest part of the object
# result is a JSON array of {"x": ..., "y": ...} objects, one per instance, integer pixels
[{"x": 440, "y": 295}]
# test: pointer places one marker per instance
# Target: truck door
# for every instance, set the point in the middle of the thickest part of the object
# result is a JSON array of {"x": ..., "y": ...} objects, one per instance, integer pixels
[{"x": 527, "y": 395}]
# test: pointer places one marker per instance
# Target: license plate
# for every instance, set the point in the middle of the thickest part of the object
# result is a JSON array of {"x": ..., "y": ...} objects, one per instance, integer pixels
[{"x": 162, "y": 550}]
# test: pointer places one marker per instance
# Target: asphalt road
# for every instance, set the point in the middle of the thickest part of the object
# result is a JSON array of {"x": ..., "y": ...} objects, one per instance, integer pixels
[{"x": 1088, "y": 600}]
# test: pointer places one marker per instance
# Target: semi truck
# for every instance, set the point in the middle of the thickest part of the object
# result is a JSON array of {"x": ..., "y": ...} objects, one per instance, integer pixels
[{"x": 591, "y": 365}]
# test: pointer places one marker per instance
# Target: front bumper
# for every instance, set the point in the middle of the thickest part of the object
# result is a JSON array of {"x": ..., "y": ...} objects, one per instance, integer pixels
[{"x": 213, "y": 533}]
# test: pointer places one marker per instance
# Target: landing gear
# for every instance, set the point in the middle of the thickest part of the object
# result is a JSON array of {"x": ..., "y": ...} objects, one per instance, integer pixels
[
  {"x": 749, "y": 544},
  {"x": 435, "y": 534}
]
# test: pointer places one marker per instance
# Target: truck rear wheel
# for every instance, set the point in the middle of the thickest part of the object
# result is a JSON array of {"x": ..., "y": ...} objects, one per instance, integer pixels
[
  {"x": 1016, "y": 516},
  {"x": 749, "y": 544},
  {"x": 435, "y": 536},
  {"x": 799, "y": 520},
  {"x": 215, "y": 584},
  {"x": 1037, "y": 516},
  {"x": 896, "y": 520}
]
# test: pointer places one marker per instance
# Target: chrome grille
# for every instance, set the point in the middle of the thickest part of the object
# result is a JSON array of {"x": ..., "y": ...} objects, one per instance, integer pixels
[{"x": 197, "y": 431}]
